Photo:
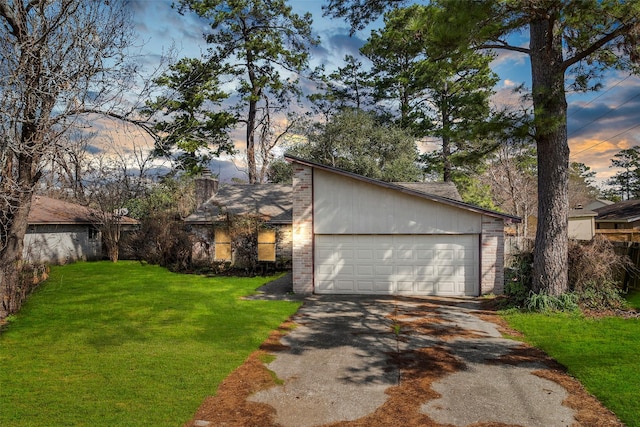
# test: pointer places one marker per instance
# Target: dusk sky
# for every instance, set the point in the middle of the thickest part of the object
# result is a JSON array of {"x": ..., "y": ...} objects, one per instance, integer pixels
[{"x": 600, "y": 124}]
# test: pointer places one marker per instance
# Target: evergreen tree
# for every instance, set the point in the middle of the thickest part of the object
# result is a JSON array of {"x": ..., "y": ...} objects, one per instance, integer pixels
[{"x": 254, "y": 42}]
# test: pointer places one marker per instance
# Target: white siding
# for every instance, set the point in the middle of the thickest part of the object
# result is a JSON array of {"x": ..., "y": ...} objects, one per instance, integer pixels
[
  {"x": 347, "y": 206},
  {"x": 582, "y": 228},
  {"x": 60, "y": 244}
]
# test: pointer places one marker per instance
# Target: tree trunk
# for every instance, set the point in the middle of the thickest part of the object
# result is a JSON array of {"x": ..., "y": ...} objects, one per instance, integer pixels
[
  {"x": 550, "y": 266},
  {"x": 11, "y": 293},
  {"x": 251, "y": 144}
]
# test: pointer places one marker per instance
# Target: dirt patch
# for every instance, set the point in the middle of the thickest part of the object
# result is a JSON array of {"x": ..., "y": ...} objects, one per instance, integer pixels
[
  {"x": 418, "y": 370},
  {"x": 229, "y": 407}
]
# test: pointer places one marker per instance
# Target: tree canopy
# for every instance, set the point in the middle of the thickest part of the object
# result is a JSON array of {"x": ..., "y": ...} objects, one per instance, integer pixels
[
  {"x": 263, "y": 46},
  {"x": 190, "y": 131},
  {"x": 354, "y": 140}
]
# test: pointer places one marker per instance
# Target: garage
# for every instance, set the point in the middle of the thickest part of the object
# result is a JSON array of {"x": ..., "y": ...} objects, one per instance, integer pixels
[
  {"x": 445, "y": 265},
  {"x": 357, "y": 235}
]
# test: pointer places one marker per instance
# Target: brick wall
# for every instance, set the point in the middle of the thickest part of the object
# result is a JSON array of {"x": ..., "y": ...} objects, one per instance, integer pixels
[
  {"x": 302, "y": 229},
  {"x": 492, "y": 256}
]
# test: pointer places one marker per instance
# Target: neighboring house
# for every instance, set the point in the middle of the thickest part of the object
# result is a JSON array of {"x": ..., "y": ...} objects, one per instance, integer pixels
[
  {"x": 597, "y": 203},
  {"x": 61, "y": 232},
  {"x": 619, "y": 221},
  {"x": 269, "y": 204},
  {"x": 582, "y": 225},
  {"x": 356, "y": 235}
]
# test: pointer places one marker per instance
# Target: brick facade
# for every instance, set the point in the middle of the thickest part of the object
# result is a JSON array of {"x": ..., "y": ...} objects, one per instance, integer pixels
[
  {"x": 492, "y": 256},
  {"x": 302, "y": 229}
]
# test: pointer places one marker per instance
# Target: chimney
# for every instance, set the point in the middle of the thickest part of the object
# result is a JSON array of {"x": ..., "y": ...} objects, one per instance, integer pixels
[{"x": 206, "y": 187}]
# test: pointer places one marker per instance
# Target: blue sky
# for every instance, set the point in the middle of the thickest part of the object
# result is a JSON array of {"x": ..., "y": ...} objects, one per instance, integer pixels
[{"x": 600, "y": 124}]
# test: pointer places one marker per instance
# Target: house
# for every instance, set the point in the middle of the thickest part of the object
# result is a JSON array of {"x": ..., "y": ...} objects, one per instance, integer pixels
[
  {"x": 356, "y": 235},
  {"x": 219, "y": 208},
  {"x": 619, "y": 221},
  {"x": 59, "y": 232},
  {"x": 271, "y": 205},
  {"x": 582, "y": 224},
  {"x": 597, "y": 203}
]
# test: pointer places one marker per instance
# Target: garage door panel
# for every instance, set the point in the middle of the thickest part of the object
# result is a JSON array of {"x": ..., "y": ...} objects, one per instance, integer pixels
[
  {"x": 345, "y": 285},
  {"x": 444, "y": 254},
  {"x": 365, "y": 254},
  {"x": 399, "y": 264},
  {"x": 405, "y": 270},
  {"x": 405, "y": 287},
  {"x": 424, "y": 288},
  {"x": 425, "y": 254},
  {"x": 446, "y": 287},
  {"x": 383, "y": 286},
  {"x": 384, "y": 270},
  {"x": 365, "y": 270}
]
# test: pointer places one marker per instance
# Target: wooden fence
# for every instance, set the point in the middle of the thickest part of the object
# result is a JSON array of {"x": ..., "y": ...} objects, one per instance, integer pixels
[{"x": 631, "y": 235}]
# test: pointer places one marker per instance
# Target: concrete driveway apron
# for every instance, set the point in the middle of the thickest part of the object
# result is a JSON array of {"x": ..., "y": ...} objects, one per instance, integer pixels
[{"x": 350, "y": 356}]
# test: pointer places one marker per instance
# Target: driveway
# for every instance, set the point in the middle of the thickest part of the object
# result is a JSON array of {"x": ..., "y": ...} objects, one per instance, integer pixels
[{"x": 392, "y": 361}]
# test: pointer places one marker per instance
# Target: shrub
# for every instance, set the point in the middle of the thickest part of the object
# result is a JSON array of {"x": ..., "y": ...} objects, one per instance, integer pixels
[
  {"x": 543, "y": 302},
  {"x": 518, "y": 278},
  {"x": 594, "y": 264},
  {"x": 162, "y": 240},
  {"x": 594, "y": 268}
]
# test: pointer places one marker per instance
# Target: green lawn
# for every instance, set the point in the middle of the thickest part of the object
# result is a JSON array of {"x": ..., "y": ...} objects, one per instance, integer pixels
[
  {"x": 601, "y": 353},
  {"x": 126, "y": 344}
]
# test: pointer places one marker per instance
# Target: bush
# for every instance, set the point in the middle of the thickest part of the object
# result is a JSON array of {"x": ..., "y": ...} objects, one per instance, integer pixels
[
  {"x": 543, "y": 302},
  {"x": 162, "y": 240},
  {"x": 594, "y": 268}
]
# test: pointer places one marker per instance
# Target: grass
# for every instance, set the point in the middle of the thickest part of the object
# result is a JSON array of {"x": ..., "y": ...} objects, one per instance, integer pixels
[
  {"x": 601, "y": 353},
  {"x": 126, "y": 344},
  {"x": 633, "y": 297}
]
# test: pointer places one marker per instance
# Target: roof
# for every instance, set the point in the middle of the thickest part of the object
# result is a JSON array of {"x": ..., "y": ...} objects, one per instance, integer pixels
[
  {"x": 624, "y": 211},
  {"x": 407, "y": 190},
  {"x": 273, "y": 202},
  {"x": 581, "y": 213},
  {"x": 46, "y": 210},
  {"x": 442, "y": 189}
]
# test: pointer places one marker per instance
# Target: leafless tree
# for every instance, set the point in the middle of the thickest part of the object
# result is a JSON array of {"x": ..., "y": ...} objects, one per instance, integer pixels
[
  {"x": 57, "y": 57},
  {"x": 511, "y": 174}
]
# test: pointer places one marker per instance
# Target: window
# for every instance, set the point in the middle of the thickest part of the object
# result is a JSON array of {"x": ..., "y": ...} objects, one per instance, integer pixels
[
  {"x": 94, "y": 234},
  {"x": 266, "y": 245},
  {"x": 222, "y": 240}
]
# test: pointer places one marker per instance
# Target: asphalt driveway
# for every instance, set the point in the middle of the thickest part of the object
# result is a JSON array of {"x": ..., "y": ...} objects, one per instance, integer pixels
[{"x": 390, "y": 361}]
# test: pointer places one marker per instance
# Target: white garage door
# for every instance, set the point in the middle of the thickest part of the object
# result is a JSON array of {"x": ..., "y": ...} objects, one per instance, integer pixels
[{"x": 444, "y": 265}]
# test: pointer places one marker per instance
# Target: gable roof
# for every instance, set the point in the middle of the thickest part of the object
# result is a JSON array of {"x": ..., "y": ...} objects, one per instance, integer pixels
[
  {"x": 624, "y": 211},
  {"x": 46, "y": 210},
  {"x": 272, "y": 202},
  {"x": 581, "y": 213},
  {"x": 403, "y": 189},
  {"x": 442, "y": 189}
]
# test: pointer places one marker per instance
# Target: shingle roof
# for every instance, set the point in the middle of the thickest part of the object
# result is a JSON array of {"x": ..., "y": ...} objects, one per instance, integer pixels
[
  {"x": 442, "y": 189},
  {"x": 624, "y": 211},
  {"x": 273, "y": 202},
  {"x": 46, "y": 210},
  {"x": 581, "y": 213}
]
